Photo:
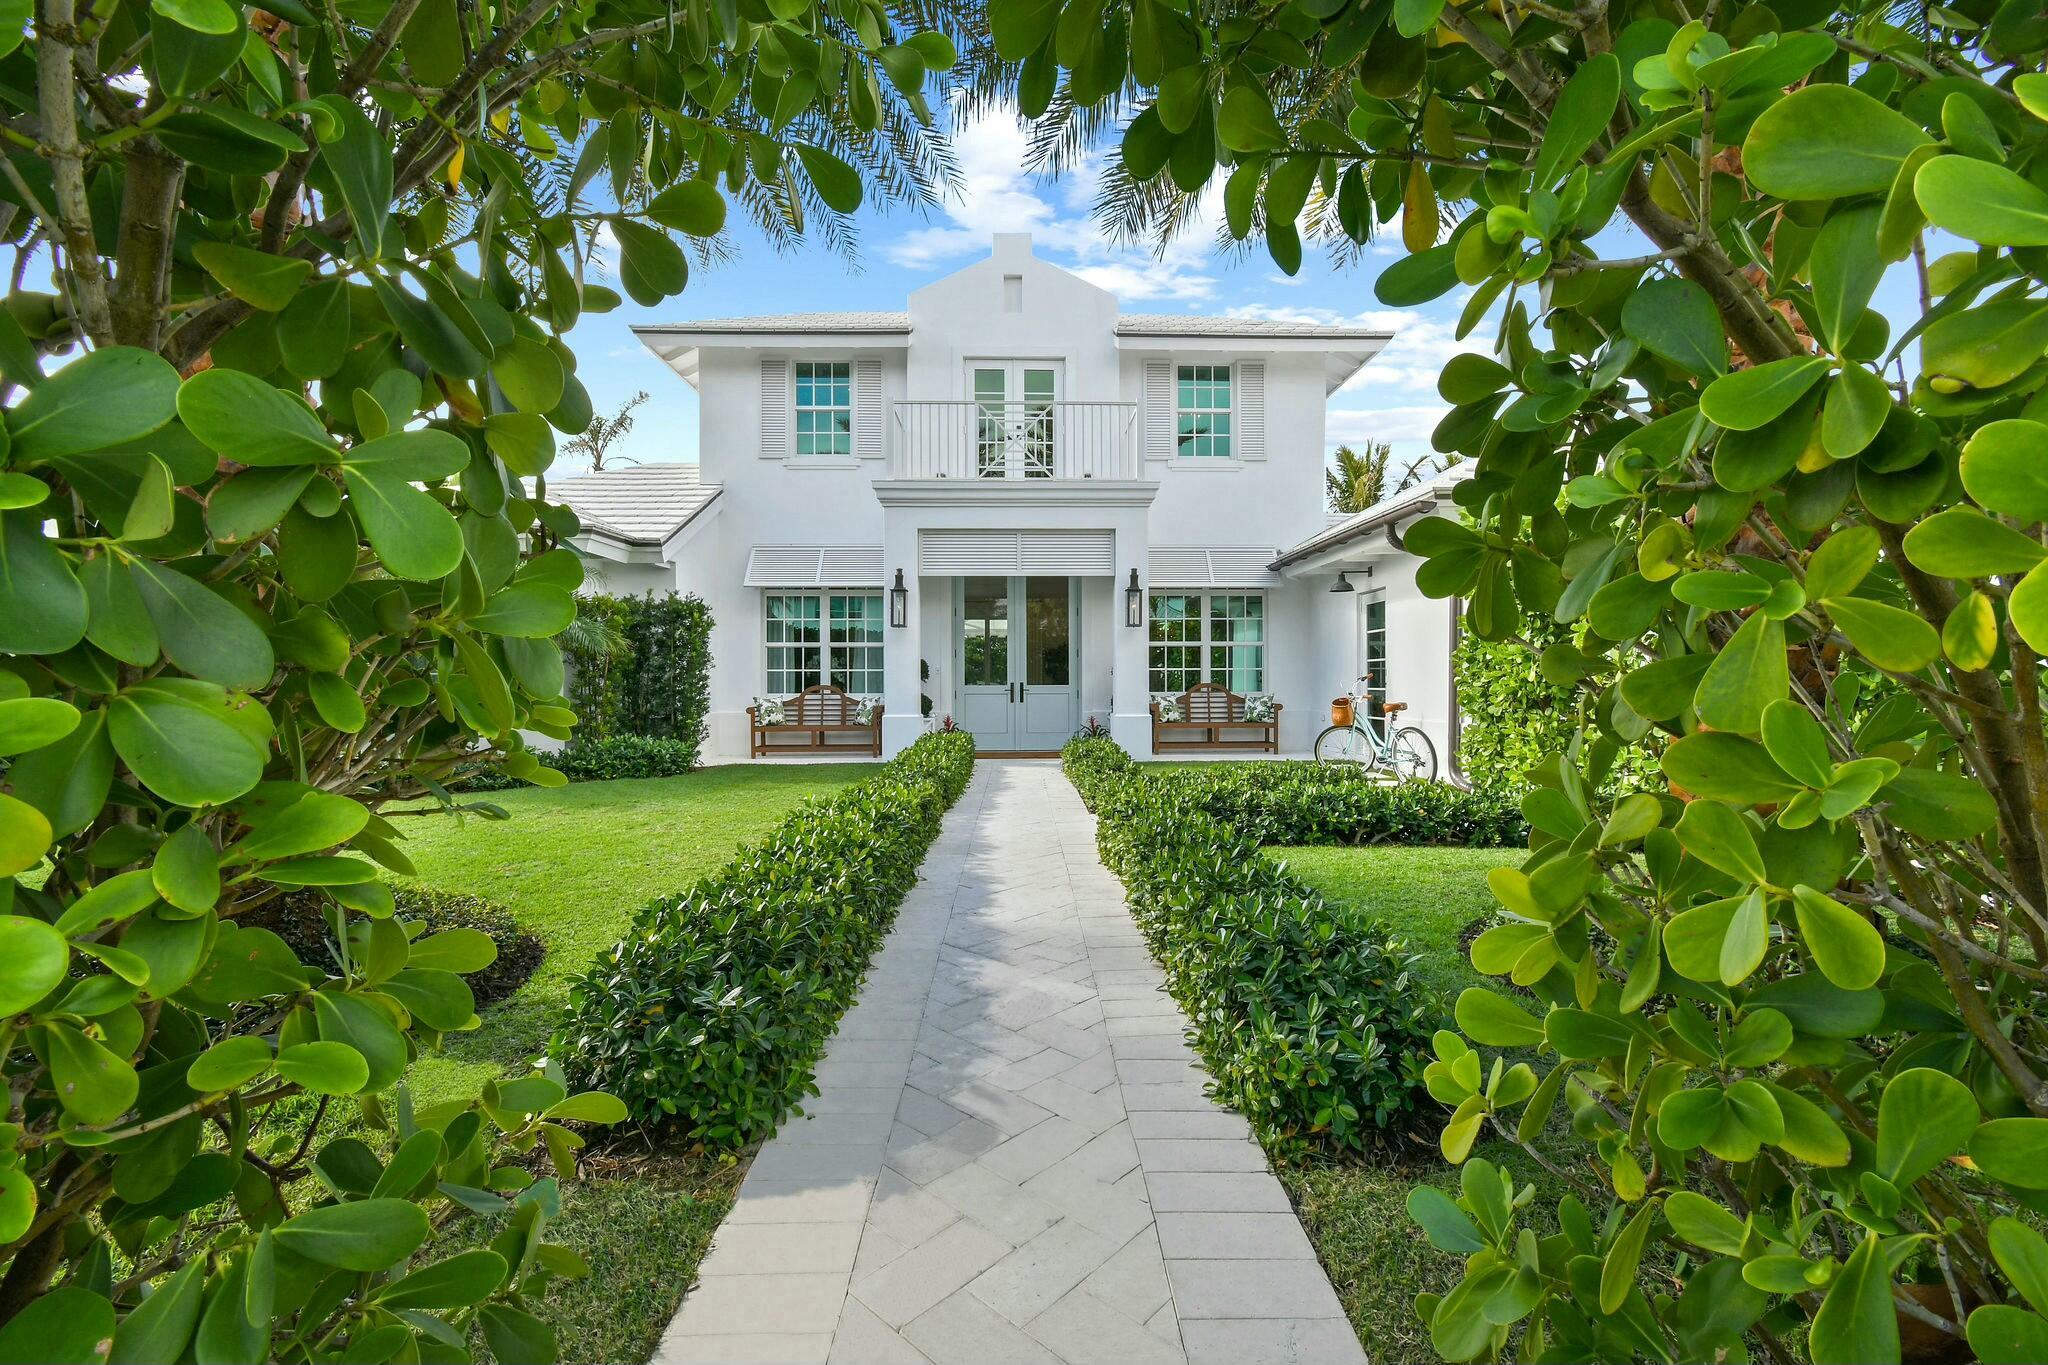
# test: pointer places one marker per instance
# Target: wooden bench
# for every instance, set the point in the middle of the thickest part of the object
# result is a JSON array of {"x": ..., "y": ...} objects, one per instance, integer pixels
[
  {"x": 817, "y": 712},
  {"x": 1207, "y": 710}
]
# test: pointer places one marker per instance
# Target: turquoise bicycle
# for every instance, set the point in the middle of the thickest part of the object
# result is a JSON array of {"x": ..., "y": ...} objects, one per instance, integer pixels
[{"x": 1407, "y": 752}]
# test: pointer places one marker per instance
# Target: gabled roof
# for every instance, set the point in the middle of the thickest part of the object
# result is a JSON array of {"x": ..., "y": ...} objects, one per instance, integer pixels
[
  {"x": 1191, "y": 325},
  {"x": 789, "y": 322},
  {"x": 637, "y": 504}
]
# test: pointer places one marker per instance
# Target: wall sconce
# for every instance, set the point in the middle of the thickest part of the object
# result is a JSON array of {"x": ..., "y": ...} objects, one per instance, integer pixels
[
  {"x": 899, "y": 603},
  {"x": 1343, "y": 584},
  {"x": 1134, "y": 602}
]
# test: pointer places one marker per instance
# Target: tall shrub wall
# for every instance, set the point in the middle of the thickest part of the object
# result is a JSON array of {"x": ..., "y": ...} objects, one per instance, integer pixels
[{"x": 658, "y": 685}]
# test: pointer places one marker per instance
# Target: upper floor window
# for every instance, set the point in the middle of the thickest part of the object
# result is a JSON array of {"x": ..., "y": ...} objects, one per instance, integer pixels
[
  {"x": 824, "y": 407},
  {"x": 1202, "y": 412}
]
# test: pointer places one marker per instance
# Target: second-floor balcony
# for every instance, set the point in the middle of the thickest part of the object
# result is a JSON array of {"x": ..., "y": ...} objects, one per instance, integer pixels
[{"x": 1029, "y": 439}]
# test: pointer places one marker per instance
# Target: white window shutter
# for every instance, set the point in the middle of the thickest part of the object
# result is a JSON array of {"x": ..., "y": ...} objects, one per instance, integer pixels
[
  {"x": 867, "y": 407},
  {"x": 1251, "y": 410},
  {"x": 775, "y": 442},
  {"x": 1158, "y": 410}
]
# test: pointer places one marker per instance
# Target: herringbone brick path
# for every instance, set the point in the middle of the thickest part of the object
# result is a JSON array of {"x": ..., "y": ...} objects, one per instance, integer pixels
[{"x": 1012, "y": 1158}]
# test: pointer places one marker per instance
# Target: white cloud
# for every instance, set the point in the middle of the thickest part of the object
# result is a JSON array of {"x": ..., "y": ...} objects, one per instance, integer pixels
[
  {"x": 1407, "y": 423},
  {"x": 998, "y": 195}
]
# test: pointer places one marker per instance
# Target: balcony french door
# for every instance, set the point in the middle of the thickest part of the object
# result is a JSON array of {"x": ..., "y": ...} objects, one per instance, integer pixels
[
  {"x": 1015, "y": 651},
  {"x": 1015, "y": 419}
]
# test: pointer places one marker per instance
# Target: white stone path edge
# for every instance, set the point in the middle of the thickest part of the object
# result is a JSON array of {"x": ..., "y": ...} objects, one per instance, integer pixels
[{"x": 1011, "y": 1158}]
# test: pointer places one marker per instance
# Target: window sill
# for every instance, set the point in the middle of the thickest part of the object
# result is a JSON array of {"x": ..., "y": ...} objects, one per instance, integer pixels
[
  {"x": 1202, "y": 464},
  {"x": 820, "y": 462}
]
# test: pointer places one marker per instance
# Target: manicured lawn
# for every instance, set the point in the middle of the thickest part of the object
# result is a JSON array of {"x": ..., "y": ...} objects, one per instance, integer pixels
[
  {"x": 1426, "y": 896},
  {"x": 572, "y": 865},
  {"x": 1356, "y": 1212}
]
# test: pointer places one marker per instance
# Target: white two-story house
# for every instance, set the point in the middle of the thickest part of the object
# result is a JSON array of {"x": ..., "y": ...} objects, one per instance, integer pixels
[{"x": 1026, "y": 505}]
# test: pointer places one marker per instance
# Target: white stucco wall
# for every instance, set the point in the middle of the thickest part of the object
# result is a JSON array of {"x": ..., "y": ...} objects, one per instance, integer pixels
[{"x": 1262, "y": 505}]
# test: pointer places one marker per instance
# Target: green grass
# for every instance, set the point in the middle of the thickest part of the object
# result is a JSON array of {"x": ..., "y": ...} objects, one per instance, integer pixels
[
  {"x": 572, "y": 865},
  {"x": 1356, "y": 1211},
  {"x": 1425, "y": 896}
]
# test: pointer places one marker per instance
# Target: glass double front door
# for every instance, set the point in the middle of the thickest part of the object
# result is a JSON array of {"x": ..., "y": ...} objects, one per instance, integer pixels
[
  {"x": 1016, "y": 662},
  {"x": 1014, "y": 432}
]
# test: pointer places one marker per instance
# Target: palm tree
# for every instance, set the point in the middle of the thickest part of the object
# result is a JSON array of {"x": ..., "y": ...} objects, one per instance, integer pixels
[
  {"x": 602, "y": 431},
  {"x": 1355, "y": 481}
]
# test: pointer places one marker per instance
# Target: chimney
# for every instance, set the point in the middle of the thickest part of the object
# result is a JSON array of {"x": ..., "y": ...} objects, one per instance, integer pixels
[{"x": 1013, "y": 249}]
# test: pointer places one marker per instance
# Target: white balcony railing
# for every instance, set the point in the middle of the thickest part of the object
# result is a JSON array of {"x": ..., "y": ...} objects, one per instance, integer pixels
[{"x": 1018, "y": 440}]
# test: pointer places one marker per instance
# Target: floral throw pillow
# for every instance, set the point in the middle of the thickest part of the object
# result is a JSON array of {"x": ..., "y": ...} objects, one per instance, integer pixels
[
  {"x": 767, "y": 711},
  {"x": 864, "y": 714},
  {"x": 1169, "y": 708},
  {"x": 1258, "y": 709}
]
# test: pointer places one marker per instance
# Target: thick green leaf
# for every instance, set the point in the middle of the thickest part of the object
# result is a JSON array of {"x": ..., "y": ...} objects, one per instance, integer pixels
[
  {"x": 1890, "y": 637},
  {"x": 228, "y": 1064},
  {"x": 251, "y": 422},
  {"x": 313, "y": 330},
  {"x": 93, "y": 1084},
  {"x": 1856, "y": 1323},
  {"x": 1717, "y": 836},
  {"x": 109, "y": 397},
  {"x": 1924, "y": 1117},
  {"x": 413, "y": 535},
  {"x": 2001, "y": 1334},
  {"x": 466, "y": 1278},
  {"x": 1845, "y": 268},
  {"x": 1982, "y": 201},
  {"x": 1827, "y": 142},
  {"x": 324, "y": 1068},
  {"x": 359, "y": 161},
  {"x": 1728, "y": 768},
  {"x": 1846, "y": 947},
  {"x": 1962, "y": 542},
  {"x": 837, "y": 183},
  {"x": 1675, "y": 319},
  {"x": 1854, "y": 412},
  {"x": 43, "y": 607},
  {"x": 200, "y": 630},
  {"x": 363, "y": 1235},
  {"x": 1745, "y": 677},
  {"x": 2003, "y": 469},
  {"x": 257, "y": 278},
  {"x": 63, "y": 1326},
  {"x": 33, "y": 959},
  {"x": 188, "y": 754},
  {"x": 1747, "y": 399}
]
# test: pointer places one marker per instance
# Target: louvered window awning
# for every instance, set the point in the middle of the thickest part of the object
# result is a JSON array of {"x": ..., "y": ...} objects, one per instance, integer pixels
[
  {"x": 1210, "y": 566},
  {"x": 1077, "y": 553},
  {"x": 814, "y": 566}
]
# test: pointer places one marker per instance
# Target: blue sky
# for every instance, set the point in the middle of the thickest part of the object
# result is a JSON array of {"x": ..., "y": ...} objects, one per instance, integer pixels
[{"x": 1393, "y": 398}]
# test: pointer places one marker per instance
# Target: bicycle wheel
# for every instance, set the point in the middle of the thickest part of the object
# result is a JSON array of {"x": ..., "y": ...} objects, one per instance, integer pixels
[
  {"x": 1345, "y": 744},
  {"x": 1413, "y": 757}
]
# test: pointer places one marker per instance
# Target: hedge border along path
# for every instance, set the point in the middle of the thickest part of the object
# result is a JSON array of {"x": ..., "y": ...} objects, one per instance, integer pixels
[
  {"x": 1307, "y": 1013},
  {"x": 708, "y": 1018}
]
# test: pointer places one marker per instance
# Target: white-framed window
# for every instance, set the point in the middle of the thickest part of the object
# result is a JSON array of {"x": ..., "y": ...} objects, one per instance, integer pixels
[
  {"x": 1373, "y": 639},
  {"x": 1201, "y": 412},
  {"x": 1217, "y": 637},
  {"x": 824, "y": 407},
  {"x": 831, "y": 636}
]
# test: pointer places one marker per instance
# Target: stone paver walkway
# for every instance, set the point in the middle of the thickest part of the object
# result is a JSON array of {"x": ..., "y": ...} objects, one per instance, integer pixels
[{"x": 1011, "y": 1158}]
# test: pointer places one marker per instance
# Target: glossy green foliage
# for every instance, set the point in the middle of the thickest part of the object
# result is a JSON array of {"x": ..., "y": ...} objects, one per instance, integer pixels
[
  {"x": 641, "y": 666},
  {"x": 1761, "y": 1014},
  {"x": 283, "y": 368},
  {"x": 1306, "y": 1013},
  {"x": 710, "y": 1016}
]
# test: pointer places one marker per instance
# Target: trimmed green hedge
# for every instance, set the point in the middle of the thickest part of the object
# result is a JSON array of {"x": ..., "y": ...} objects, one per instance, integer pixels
[
  {"x": 1306, "y": 1013},
  {"x": 1298, "y": 802},
  {"x": 601, "y": 760},
  {"x": 710, "y": 1015},
  {"x": 641, "y": 666}
]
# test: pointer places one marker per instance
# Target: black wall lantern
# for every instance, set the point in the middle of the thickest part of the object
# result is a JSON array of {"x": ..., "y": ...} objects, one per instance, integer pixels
[
  {"x": 1134, "y": 602},
  {"x": 899, "y": 603}
]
